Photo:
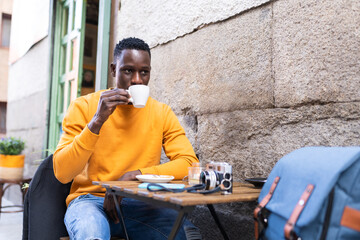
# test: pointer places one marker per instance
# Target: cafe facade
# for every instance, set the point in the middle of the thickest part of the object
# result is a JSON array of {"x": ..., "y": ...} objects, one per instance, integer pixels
[{"x": 250, "y": 81}]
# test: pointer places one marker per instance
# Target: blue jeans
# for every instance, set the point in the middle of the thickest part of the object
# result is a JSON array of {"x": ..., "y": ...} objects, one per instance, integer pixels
[{"x": 86, "y": 219}]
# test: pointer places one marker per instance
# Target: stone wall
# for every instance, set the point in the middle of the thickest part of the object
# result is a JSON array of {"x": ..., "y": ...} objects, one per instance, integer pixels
[
  {"x": 159, "y": 22},
  {"x": 254, "y": 83}
]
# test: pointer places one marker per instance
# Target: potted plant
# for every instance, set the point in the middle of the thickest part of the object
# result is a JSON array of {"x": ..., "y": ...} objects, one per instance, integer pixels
[{"x": 11, "y": 160}]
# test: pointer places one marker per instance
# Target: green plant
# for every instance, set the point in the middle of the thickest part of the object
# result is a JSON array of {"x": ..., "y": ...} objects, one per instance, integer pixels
[
  {"x": 25, "y": 186},
  {"x": 11, "y": 146}
]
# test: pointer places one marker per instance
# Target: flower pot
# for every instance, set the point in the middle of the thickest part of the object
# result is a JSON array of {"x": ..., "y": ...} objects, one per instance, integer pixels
[{"x": 11, "y": 166}]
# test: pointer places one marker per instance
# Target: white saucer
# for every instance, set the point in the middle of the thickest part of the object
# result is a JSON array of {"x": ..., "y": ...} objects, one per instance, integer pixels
[{"x": 154, "y": 178}]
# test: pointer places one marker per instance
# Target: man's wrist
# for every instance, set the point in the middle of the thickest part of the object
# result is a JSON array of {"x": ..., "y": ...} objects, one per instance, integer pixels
[{"x": 95, "y": 125}]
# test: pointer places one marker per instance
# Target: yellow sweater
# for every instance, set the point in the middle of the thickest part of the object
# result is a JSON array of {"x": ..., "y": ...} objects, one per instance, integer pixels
[{"x": 130, "y": 139}]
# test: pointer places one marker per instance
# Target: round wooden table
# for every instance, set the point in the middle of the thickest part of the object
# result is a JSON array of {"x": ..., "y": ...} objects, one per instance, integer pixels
[{"x": 5, "y": 184}]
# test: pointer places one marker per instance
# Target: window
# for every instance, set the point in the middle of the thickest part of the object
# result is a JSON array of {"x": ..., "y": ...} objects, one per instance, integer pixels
[
  {"x": 2, "y": 117},
  {"x": 5, "y": 30}
]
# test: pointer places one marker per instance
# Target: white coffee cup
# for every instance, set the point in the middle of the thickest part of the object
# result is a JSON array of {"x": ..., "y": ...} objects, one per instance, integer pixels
[{"x": 139, "y": 95}]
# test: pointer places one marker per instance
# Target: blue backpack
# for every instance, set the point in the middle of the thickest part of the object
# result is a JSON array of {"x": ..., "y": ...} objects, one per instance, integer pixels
[{"x": 311, "y": 193}]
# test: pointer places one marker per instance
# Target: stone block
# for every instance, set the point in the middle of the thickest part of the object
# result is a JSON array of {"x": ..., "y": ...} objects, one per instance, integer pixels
[
  {"x": 254, "y": 140},
  {"x": 190, "y": 125},
  {"x": 316, "y": 55},
  {"x": 236, "y": 218},
  {"x": 220, "y": 68},
  {"x": 160, "y": 22}
]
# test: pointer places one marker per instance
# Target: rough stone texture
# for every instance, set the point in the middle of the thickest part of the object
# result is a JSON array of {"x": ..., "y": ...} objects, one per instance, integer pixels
[
  {"x": 223, "y": 67},
  {"x": 190, "y": 125},
  {"x": 254, "y": 140},
  {"x": 158, "y": 22},
  {"x": 236, "y": 218},
  {"x": 255, "y": 87},
  {"x": 316, "y": 51}
]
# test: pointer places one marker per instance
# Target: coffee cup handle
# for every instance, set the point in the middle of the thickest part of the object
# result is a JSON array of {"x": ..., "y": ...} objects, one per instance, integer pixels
[{"x": 130, "y": 99}]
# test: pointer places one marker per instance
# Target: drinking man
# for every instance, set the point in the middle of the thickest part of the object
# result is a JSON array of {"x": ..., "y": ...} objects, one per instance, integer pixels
[{"x": 105, "y": 138}]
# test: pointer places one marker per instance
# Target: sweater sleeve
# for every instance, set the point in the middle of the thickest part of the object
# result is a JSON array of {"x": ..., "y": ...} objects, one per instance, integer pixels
[
  {"x": 77, "y": 142},
  {"x": 177, "y": 148}
]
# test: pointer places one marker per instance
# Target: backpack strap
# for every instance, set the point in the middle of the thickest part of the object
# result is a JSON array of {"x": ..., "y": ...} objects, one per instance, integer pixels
[
  {"x": 351, "y": 218},
  {"x": 289, "y": 226},
  {"x": 262, "y": 204}
]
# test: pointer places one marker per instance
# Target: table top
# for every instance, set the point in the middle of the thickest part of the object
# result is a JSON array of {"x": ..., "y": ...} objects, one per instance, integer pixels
[
  {"x": 15, "y": 181},
  {"x": 242, "y": 192}
]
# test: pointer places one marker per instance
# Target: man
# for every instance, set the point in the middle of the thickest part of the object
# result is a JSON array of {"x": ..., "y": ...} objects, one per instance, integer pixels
[{"x": 105, "y": 138}]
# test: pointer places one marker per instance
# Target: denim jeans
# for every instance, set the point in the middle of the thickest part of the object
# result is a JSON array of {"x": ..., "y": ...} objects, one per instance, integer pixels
[{"x": 86, "y": 219}]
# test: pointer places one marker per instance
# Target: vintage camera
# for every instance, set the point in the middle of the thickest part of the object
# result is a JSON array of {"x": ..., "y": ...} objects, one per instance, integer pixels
[{"x": 218, "y": 174}]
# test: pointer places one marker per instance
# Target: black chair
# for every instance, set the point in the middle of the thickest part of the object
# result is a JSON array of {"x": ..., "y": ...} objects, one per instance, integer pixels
[{"x": 44, "y": 205}]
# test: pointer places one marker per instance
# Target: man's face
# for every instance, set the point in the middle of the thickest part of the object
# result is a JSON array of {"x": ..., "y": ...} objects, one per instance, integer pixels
[{"x": 132, "y": 67}]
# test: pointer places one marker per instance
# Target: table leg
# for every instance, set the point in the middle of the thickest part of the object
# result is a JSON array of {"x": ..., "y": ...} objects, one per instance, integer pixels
[
  {"x": 1, "y": 195},
  {"x": 121, "y": 215},
  {"x": 218, "y": 223},
  {"x": 3, "y": 190},
  {"x": 179, "y": 220}
]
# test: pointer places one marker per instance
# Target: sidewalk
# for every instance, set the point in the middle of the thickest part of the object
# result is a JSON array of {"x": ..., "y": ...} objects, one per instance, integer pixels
[{"x": 10, "y": 223}]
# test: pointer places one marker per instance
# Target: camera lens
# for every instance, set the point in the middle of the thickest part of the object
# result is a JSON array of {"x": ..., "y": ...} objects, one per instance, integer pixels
[
  {"x": 209, "y": 179},
  {"x": 227, "y": 176},
  {"x": 226, "y": 184}
]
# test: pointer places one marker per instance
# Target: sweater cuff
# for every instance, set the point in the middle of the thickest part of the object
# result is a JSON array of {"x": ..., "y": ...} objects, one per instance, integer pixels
[{"x": 87, "y": 139}]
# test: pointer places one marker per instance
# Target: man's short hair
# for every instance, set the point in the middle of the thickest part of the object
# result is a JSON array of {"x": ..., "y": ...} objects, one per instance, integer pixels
[{"x": 130, "y": 43}]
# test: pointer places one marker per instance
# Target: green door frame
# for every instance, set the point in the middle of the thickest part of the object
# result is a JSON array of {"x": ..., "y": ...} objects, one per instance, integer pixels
[
  {"x": 60, "y": 93},
  {"x": 68, "y": 52},
  {"x": 102, "y": 57}
]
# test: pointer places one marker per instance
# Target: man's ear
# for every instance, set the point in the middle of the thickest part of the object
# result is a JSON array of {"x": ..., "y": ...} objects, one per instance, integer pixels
[{"x": 113, "y": 69}]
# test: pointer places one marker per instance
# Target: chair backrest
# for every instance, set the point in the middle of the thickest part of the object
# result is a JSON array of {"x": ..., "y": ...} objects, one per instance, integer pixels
[{"x": 44, "y": 205}]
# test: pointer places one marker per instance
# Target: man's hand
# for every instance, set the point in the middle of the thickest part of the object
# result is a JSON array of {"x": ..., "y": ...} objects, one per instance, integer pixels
[
  {"x": 110, "y": 207},
  {"x": 109, "y": 204},
  {"x": 129, "y": 176},
  {"x": 107, "y": 105}
]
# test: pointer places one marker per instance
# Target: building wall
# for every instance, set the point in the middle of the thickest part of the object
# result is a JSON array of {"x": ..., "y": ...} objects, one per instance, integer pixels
[
  {"x": 28, "y": 102},
  {"x": 4, "y": 69},
  {"x": 253, "y": 80},
  {"x": 6, "y": 8}
]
